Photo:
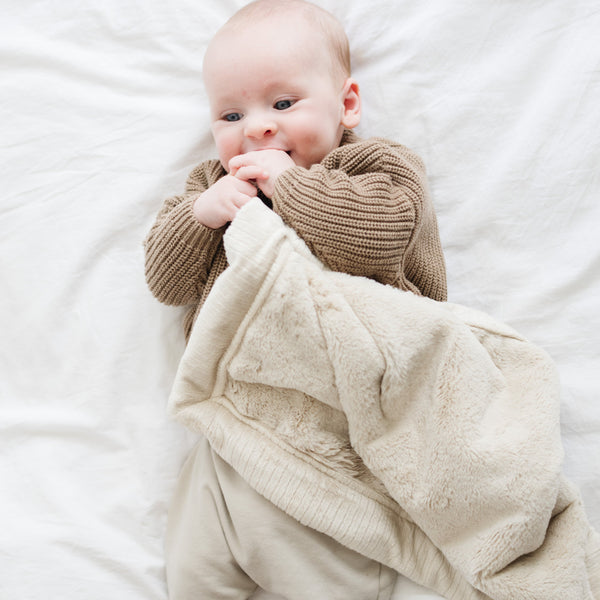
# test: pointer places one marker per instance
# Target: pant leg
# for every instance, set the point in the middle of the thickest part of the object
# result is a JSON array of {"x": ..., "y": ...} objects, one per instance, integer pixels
[
  {"x": 199, "y": 561},
  {"x": 224, "y": 539},
  {"x": 289, "y": 559}
]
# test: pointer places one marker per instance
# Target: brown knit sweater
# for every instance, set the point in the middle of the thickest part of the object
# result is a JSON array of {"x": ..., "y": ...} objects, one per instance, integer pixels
[{"x": 364, "y": 210}]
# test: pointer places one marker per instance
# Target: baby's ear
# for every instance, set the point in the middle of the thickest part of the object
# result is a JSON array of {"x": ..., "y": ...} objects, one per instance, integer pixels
[{"x": 351, "y": 100}]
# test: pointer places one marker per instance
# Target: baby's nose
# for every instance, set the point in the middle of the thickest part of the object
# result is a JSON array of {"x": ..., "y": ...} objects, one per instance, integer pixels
[{"x": 259, "y": 127}]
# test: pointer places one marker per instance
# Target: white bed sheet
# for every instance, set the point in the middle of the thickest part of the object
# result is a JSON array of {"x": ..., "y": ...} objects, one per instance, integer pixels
[{"x": 103, "y": 115}]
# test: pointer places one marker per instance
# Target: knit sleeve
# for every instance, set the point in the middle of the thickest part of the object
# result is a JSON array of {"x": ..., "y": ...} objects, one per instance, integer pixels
[
  {"x": 359, "y": 210},
  {"x": 178, "y": 249}
]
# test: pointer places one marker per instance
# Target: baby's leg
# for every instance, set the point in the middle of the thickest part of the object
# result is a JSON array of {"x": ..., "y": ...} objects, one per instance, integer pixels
[
  {"x": 291, "y": 560},
  {"x": 199, "y": 559},
  {"x": 224, "y": 540}
]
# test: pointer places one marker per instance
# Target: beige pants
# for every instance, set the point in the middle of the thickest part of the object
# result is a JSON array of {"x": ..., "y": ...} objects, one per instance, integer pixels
[{"x": 224, "y": 540}]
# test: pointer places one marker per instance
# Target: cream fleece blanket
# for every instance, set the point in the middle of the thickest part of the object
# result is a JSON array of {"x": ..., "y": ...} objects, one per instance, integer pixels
[{"x": 424, "y": 435}]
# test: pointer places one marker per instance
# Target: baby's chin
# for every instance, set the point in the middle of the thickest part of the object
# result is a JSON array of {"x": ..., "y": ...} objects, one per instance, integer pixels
[
  {"x": 304, "y": 162},
  {"x": 309, "y": 160}
]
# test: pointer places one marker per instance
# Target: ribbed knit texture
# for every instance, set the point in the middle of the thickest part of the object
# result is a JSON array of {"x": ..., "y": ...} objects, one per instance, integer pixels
[{"x": 364, "y": 210}]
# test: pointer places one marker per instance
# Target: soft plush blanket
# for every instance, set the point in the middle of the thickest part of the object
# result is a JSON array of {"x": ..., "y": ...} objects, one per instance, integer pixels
[{"x": 424, "y": 435}]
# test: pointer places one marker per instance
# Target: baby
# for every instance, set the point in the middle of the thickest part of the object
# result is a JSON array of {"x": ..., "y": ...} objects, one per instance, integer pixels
[{"x": 283, "y": 105}]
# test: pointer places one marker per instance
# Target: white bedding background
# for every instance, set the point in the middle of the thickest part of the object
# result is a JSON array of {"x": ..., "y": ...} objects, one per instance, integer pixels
[{"x": 102, "y": 116}]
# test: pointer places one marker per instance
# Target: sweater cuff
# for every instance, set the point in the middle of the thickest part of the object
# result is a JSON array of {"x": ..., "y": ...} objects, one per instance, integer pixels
[{"x": 188, "y": 229}]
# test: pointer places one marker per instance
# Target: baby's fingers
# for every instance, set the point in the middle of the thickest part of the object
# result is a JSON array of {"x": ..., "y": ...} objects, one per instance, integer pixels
[{"x": 249, "y": 172}]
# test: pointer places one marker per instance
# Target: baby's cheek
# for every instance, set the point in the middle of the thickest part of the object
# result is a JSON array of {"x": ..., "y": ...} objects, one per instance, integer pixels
[{"x": 227, "y": 147}]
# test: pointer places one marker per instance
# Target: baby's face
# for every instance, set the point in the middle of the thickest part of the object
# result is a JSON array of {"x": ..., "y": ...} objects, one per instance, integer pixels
[{"x": 273, "y": 88}]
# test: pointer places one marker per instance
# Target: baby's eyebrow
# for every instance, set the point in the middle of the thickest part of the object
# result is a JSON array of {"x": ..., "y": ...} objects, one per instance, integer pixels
[
  {"x": 224, "y": 104},
  {"x": 233, "y": 100}
]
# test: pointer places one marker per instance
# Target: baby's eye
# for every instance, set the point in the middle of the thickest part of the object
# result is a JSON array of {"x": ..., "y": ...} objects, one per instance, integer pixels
[
  {"x": 232, "y": 117},
  {"x": 283, "y": 104}
]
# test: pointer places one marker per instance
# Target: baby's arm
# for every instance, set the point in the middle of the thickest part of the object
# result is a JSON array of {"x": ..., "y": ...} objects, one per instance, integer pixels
[
  {"x": 359, "y": 210},
  {"x": 179, "y": 250}
]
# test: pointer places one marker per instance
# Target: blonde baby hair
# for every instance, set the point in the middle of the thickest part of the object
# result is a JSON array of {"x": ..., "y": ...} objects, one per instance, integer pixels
[{"x": 333, "y": 32}]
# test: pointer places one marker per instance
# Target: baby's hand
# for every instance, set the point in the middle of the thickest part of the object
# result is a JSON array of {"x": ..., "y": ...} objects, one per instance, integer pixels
[
  {"x": 220, "y": 203},
  {"x": 261, "y": 166}
]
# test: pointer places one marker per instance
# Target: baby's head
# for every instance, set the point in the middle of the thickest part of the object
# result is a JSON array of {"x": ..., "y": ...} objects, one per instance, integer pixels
[{"x": 278, "y": 76}]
